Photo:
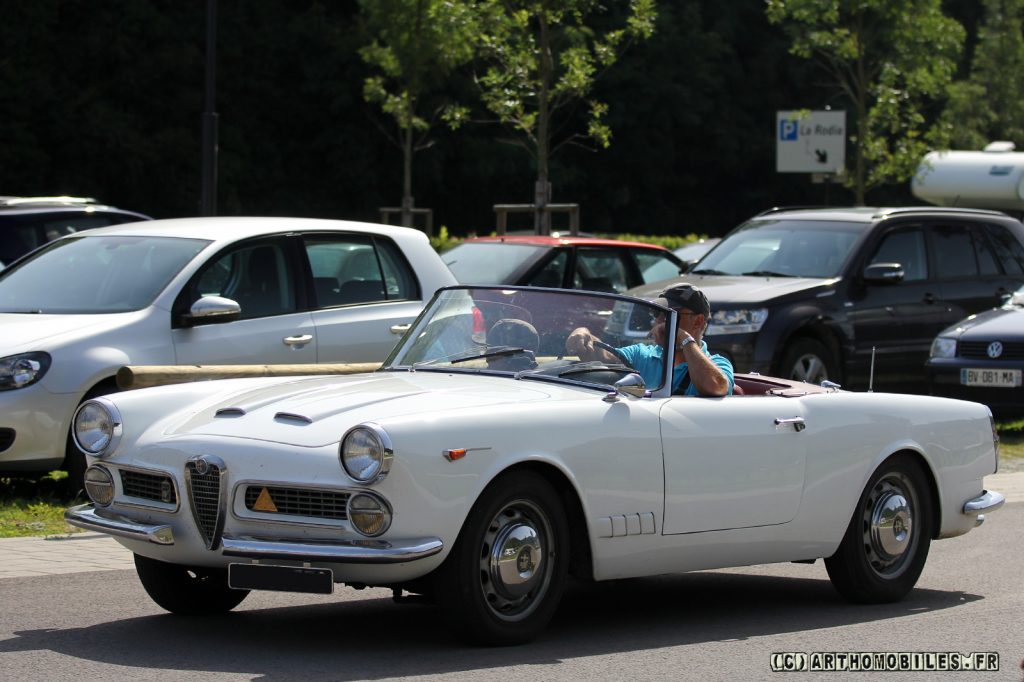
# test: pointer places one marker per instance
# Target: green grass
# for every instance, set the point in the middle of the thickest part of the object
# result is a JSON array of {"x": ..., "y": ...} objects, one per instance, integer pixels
[
  {"x": 35, "y": 506},
  {"x": 1011, "y": 438}
]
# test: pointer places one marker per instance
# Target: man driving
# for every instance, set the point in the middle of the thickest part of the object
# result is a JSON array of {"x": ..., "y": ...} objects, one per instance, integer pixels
[{"x": 695, "y": 371}]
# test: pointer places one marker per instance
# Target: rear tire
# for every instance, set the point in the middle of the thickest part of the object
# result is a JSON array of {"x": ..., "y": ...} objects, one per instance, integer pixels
[
  {"x": 187, "y": 591},
  {"x": 503, "y": 579},
  {"x": 886, "y": 544}
]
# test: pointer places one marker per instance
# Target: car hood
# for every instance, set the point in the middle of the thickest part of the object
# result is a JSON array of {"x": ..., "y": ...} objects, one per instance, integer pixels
[
  {"x": 998, "y": 324},
  {"x": 728, "y": 290},
  {"x": 316, "y": 411},
  {"x": 30, "y": 332}
]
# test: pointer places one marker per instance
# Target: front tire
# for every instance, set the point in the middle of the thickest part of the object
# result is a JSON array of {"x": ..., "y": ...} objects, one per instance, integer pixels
[
  {"x": 187, "y": 591},
  {"x": 503, "y": 579},
  {"x": 811, "y": 361},
  {"x": 886, "y": 544}
]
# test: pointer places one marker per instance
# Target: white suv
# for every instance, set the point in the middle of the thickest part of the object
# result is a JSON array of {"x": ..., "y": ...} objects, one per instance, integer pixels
[{"x": 194, "y": 291}]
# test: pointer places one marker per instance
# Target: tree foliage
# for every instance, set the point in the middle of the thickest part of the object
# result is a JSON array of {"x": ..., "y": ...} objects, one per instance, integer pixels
[
  {"x": 989, "y": 104},
  {"x": 543, "y": 58},
  {"x": 891, "y": 61},
  {"x": 415, "y": 45}
]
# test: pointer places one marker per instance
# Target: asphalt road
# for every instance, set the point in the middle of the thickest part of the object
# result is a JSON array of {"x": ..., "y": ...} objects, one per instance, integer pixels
[{"x": 714, "y": 625}]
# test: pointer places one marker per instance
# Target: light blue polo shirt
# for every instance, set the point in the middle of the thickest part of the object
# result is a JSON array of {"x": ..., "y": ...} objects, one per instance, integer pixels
[{"x": 647, "y": 360}]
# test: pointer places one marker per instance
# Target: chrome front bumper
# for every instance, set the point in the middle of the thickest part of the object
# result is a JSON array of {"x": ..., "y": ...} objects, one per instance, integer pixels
[
  {"x": 988, "y": 501},
  {"x": 364, "y": 551},
  {"x": 88, "y": 517}
]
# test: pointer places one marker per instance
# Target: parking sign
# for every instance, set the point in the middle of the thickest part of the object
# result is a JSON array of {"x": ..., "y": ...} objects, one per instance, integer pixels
[{"x": 810, "y": 141}]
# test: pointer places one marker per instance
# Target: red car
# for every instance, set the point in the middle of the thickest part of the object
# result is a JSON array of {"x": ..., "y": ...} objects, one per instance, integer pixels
[{"x": 561, "y": 262}]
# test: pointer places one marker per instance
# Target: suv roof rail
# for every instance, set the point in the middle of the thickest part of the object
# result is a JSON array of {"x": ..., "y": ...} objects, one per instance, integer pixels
[
  {"x": 777, "y": 209},
  {"x": 902, "y": 210},
  {"x": 56, "y": 200}
]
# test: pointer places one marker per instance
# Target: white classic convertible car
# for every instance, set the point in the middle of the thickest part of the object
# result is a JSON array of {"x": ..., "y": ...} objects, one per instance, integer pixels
[{"x": 482, "y": 466}]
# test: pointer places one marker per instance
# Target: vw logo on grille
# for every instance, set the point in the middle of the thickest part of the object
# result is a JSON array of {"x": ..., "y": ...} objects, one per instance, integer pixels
[{"x": 995, "y": 349}]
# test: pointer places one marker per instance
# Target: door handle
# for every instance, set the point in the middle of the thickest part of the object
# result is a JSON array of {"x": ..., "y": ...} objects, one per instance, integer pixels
[
  {"x": 296, "y": 341},
  {"x": 797, "y": 422},
  {"x": 400, "y": 328}
]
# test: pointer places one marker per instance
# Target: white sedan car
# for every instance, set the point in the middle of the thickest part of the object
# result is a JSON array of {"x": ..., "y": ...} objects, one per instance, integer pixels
[
  {"x": 194, "y": 291},
  {"x": 481, "y": 471}
]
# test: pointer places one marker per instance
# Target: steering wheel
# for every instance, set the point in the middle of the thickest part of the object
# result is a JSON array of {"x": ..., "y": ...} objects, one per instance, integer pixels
[{"x": 614, "y": 351}]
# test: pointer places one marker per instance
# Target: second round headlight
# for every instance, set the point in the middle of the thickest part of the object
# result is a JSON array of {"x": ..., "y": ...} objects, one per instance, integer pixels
[{"x": 366, "y": 453}]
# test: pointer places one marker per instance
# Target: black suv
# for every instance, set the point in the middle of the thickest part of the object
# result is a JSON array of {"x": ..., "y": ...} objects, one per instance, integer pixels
[
  {"x": 813, "y": 294},
  {"x": 29, "y": 222}
]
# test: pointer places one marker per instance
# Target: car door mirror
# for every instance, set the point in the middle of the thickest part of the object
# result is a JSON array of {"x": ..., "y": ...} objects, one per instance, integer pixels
[
  {"x": 212, "y": 310},
  {"x": 884, "y": 273},
  {"x": 632, "y": 384}
]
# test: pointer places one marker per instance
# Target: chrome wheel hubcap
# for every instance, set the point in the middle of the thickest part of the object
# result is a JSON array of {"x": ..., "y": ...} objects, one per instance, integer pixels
[
  {"x": 889, "y": 525},
  {"x": 515, "y": 565}
]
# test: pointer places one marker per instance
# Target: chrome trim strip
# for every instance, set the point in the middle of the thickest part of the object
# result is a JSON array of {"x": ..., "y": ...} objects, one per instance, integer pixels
[
  {"x": 336, "y": 551},
  {"x": 88, "y": 517},
  {"x": 988, "y": 501}
]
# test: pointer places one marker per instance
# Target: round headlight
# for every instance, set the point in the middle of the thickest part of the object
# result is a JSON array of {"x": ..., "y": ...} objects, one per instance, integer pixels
[
  {"x": 99, "y": 485},
  {"x": 97, "y": 427},
  {"x": 369, "y": 514},
  {"x": 366, "y": 453}
]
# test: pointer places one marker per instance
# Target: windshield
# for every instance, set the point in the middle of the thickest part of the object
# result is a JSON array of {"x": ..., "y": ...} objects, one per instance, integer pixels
[
  {"x": 522, "y": 332},
  {"x": 783, "y": 248},
  {"x": 489, "y": 262},
  {"x": 93, "y": 274}
]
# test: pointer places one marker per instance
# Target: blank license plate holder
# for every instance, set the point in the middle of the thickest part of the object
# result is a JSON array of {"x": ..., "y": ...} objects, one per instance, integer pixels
[{"x": 280, "y": 578}]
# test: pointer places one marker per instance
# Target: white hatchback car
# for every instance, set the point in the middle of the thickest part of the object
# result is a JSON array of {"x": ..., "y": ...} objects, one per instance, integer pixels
[{"x": 194, "y": 291}]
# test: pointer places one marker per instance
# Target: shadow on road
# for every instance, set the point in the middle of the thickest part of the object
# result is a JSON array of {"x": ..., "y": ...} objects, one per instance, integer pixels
[{"x": 376, "y": 638}]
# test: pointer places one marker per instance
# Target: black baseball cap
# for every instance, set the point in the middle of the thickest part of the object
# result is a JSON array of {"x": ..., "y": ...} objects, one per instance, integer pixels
[{"x": 685, "y": 297}]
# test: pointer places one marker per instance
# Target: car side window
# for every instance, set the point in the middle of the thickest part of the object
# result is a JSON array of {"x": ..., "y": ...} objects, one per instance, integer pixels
[
  {"x": 654, "y": 265},
  {"x": 600, "y": 270},
  {"x": 352, "y": 269},
  {"x": 954, "y": 252},
  {"x": 1008, "y": 249},
  {"x": 553, "y": 273},
  {"x": 259, "y": 277},
  {"x": 906, "y": 247}
]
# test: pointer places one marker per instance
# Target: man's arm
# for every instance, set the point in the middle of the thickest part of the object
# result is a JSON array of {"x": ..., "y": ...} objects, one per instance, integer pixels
[
  {"x": 581, "y": 344},
  {"x": 705, "y": 375}
]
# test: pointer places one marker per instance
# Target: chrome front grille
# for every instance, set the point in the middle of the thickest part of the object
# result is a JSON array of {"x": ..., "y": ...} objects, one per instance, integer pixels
[
  {"x": 205, "y": 479},
  {"x": 978, "y": 350},
  {"x": 321, "y": 504},
  {"x": 148, "y": 486}
]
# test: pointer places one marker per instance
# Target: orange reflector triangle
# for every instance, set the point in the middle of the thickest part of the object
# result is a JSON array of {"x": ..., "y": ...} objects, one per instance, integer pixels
[{"x": 264, "y": 503}]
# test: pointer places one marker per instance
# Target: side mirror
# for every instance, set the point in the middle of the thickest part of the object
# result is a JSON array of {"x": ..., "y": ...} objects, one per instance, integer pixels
[
  {"x": 212, "y": 310},
  {"x": 884, "y": 273},
  {"x": 632, "y": 384}
]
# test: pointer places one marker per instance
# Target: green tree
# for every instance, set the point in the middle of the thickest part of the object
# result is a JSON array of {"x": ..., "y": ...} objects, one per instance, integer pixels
[
  {"x": 415, "y": 45},
  {"x": 543, "y": 58},
  {"x": 892, "y": 60},
  {"x": 989, "y": 105}
]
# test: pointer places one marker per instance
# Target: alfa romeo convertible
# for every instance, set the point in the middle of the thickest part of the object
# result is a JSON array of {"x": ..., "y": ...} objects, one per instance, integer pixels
[{"x": 482, "y": 466}]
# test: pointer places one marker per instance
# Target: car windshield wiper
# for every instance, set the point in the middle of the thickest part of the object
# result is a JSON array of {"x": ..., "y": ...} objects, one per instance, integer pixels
[
  {"x": 583, "y": 369},
  {"x": 456, "y": 358},
  {"x": 766, "y": 273},
  {"x": 708, "y": 271}
]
